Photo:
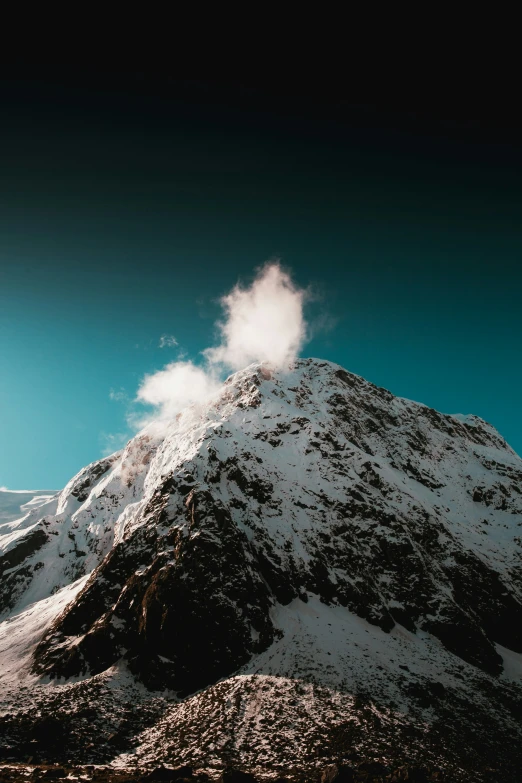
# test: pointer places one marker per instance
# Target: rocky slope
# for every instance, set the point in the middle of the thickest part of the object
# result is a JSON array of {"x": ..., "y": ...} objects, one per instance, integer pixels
[{"x": 305, "y": 568}]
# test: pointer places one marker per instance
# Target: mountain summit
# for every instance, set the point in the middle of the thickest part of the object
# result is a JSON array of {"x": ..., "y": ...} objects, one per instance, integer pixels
[{"x": 306, "y": 570}]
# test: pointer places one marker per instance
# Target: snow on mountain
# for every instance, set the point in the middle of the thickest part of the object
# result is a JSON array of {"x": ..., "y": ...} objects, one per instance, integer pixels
[
  {"x": 16, "y": 503},
  {"x": 324, "y": 566}
]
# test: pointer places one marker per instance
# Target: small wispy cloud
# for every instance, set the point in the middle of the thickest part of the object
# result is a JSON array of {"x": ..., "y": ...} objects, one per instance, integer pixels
[
  {"x": 113, "y": 441},
  {"x": 321, "y": 324},
  {"x": 175, "y": 387},
  {"x": 118, "y": 395},
  {"x": 167, "y": 341}
]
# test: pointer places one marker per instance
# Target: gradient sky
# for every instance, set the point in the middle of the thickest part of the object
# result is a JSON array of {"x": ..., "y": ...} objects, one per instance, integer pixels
[{"x": 126, "y": 214}]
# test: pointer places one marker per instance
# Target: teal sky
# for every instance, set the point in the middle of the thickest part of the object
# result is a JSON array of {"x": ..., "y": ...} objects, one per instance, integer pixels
[{"x": 125, "y": 217}]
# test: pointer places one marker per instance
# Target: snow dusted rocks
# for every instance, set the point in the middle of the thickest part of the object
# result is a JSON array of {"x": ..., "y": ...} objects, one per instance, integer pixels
[{"x": 304, "y": 528}]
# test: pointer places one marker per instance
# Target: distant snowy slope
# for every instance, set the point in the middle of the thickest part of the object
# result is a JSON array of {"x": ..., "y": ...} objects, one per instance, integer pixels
[{"x": 16, "y": 503}]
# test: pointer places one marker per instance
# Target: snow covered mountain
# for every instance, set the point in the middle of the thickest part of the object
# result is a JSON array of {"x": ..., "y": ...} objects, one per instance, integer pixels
[{"x": 305, "y": 570}]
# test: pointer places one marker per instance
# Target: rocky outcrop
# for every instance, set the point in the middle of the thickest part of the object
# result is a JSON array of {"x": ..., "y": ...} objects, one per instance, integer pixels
[
  {"x": 16, "y": 568},
  {"x": 185, "y": 608}
]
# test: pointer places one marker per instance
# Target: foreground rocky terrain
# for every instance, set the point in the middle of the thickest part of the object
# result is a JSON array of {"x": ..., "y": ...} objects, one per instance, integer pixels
[
  {"x": 367, "y": 772},
  {"x": 304, "y": 572}
]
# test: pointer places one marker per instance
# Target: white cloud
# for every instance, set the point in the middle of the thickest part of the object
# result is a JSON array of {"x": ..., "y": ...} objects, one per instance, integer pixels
[
  {"x": 167, "y": 341},
  {"x": 175, "y": 387},
  {"x": 263, "y": 323}
]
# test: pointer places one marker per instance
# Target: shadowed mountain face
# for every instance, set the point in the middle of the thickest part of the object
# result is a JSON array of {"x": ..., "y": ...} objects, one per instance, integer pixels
[{"x": 303, "y": 526}]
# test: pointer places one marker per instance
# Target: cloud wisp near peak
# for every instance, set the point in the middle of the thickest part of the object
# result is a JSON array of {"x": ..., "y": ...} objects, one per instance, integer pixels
[{"x": 262, "y": 322}]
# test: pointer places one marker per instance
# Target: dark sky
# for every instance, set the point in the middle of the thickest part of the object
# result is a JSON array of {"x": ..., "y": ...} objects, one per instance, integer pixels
[{"x": 130, "y": 202}]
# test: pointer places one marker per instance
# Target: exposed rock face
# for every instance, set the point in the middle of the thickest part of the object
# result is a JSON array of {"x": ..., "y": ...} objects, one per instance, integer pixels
[
  {"x": 185, "y": 616},
  {"x": 15, "y": 575},
  {"x": 206, "y": 551}
]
